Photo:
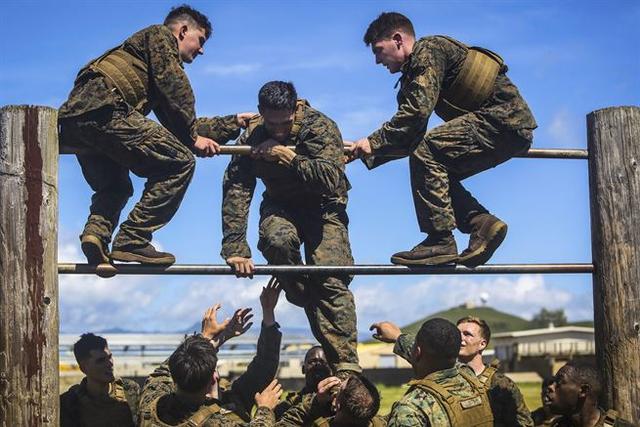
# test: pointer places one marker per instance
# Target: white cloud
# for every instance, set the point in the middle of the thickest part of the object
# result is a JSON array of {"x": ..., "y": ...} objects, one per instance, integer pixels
[
  {"x": 564, "y": 129},
  {"x": 232, "y": 69}
]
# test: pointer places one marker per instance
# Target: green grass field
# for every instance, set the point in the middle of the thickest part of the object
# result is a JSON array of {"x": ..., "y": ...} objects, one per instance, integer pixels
[{"x": 530, "y": 391}]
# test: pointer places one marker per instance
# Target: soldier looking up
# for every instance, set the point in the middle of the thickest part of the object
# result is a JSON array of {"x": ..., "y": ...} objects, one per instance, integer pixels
[
  {"x": 442, "y": 394},
  {"x": 544, "y": 416},
  {"x": 486, "y": 123},
  {"x": 184, "y": 389},
  {"x": 576, "y": 393},
  {"x": 355, "y": 403},
  {"x": 298, "y": 155},
  {"x": 104, "y": 121},
  {"x": 100, "y": 399},
  {"x": 315, "y": 368},
  {"x": 507, "y": 402}
]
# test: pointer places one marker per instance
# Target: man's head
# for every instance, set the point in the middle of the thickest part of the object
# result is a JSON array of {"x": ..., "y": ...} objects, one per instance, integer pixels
[
  {"x": 357, "y": 401},
  {"x": 193, "y": 365},
  {"x": 191, "y": 28},
  {"x": 475, "y": 334},
  {"x": 315, "y": 367},
  {"x": 94, "y": 358},
  {"x": 277, "y": 105},
  {"x": 391, "y": 37},
  {"x": 437, "y": 346},
  {"x": 548, "y": 391},
  {"x": 576, "y": 385}
]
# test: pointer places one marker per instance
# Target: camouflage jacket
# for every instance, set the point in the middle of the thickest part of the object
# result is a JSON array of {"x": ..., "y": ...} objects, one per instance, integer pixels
[
  {"x": 169, "y": 92},
  {"x": 607, "y": 419},
  {"x": 291, "y": 399},
  {"x": 418, "y": 407},
  {"x": 315, "y": 177},
  {"x": 119, "y": 408},
  {"x": 307, "y": 413},
  {"x": 236, "y": 403},
  {"x": 432, "y": 66},
  {"x": 507, "y": 402}
]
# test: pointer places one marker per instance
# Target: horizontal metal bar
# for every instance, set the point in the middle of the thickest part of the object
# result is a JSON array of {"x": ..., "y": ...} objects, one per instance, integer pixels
[
  {"x": 534, "y": 153},
  {"x": 261, "y": 270}
]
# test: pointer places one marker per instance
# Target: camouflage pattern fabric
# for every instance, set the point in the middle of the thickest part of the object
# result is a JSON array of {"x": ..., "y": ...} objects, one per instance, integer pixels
[
  {"x": 306, "y": 413},
  {"x": 418, "y": 407},
  {"x": 291, "y": 399},
  {"x": 542, "y": 419},
  {"x": 440, "y": 158},
  {"x": 118, "y": 409},
  {"x": 115, "y": 138},
  {"x": 304, "y": 203},
  {"x": 236, "y": 403},
  {"x": 607, "y": 419},
  {"x": 507, "y": 403}
]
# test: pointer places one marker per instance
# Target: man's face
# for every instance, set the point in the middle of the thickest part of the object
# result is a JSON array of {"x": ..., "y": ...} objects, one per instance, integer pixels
[
  {"x": 98, "y": 366},
  {"x": 278, "y": 123},
  {"x": 567, "y": 392},
  {"x": 191, "y": 42},
  {"x": 548, "y": 394},
  {"x": 472, "y": 340},
  {"x": 315, "y": 367},
  {"x": 389, "y": 53}
]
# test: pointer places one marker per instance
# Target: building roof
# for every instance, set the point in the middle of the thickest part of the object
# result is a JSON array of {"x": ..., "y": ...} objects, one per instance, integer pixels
[{"x": 544, "y": 331}]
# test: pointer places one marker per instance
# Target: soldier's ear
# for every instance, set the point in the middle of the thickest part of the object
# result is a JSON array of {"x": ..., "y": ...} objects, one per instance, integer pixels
[
  {"x": 397, "y": 38},
  {"x": 183, "y": 31}
]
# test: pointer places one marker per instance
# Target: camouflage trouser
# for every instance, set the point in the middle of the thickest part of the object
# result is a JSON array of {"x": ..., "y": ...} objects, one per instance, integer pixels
[
  {"x": 450, "y": 153},
  {"x": 327, "y": 300},
  {"x": 118, "y": 141}
]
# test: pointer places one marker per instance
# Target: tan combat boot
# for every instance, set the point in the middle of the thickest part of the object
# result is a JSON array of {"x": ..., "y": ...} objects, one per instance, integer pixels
[
  {"x": 487, "y": 233},
  {"x": 93, "y": 248},
  {"x": 145, "y": 255},
  {"x": 434, "y": 250}
]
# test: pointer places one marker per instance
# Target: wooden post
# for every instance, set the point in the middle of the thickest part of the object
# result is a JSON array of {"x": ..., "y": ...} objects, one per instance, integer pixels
[
  {"x": 28, "y": 266},
  {"x": 614, "y": 181}
]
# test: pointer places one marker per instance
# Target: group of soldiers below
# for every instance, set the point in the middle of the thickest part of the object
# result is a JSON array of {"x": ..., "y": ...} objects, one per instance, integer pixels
[{"x": 451, "y": 385}]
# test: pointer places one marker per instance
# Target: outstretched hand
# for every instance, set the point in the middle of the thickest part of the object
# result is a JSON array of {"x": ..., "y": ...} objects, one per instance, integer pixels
[
  {"x": 239, "y": 323},
  {"x": 209, "y": 327},
  {"x": 269, "y": 300},
  {"x": 357, "y": 149},
  {"x": 386, "y": 331},
  {"x": 270, "y": 396}
]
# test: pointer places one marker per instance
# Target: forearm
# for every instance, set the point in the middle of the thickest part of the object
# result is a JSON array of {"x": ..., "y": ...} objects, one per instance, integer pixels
[
  {"x": 264, "y": 417},
  {"x": 221, "y": 129},
  {"x": 319, "y": 175},
  {"x": 403, "y": 346}
]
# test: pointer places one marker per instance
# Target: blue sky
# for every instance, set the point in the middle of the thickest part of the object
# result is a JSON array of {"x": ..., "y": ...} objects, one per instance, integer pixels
[{"x": 568, "y": 59}]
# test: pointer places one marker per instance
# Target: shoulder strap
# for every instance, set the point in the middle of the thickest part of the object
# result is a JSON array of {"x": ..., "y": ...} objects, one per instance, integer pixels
[
  {"x": 610, "y": 418},
  {"x": 301, "y": 104},
  {"x": 203, "y": 414},
  {"x": 446, "y": 399},
  {"x": 487, "y": 375}
]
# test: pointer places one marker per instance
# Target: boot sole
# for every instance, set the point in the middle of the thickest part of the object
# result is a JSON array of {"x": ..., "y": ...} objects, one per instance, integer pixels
[
  {"x": 497, "y": 234},
  {"x": 131, "y": 257},
  {"x": 436, "y": 260},
  {"x": 92, "y": 249}
]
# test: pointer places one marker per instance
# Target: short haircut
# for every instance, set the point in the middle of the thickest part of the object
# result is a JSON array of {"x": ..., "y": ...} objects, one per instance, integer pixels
[
  {"x": 87, "y": 342},
  {"x": 312, "y": 350},
  {"x": 440, "y": 338},
  {"x": 185, "y": 13},
  {"x": 485, "y": 331},
  {"x": 277, "y": 95},
  {"x": 585, "y": 373},
  {"x": 385, "y": 25},
  {"x": 193, "y": 363},
  {"x": 360, "y": 399}
]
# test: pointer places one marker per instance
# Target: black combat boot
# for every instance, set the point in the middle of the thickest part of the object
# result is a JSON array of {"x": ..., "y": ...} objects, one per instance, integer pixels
[
  {"x": 143, "y": 254},
  {"x": 487, "y": 233},
  {"x": 94, "y": 249},
  {"x": 437, "y": 249}
]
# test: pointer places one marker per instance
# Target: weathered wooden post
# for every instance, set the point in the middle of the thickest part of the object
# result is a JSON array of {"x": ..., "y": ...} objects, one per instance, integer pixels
[
  {"x": 28, "y": 266},
  {"x": 614, "y": 182}
]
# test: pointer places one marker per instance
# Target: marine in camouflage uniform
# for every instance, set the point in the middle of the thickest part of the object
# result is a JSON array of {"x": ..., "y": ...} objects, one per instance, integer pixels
[
  {"x": 232, "y": 408},
  {"x": 304, "y": 203},
  {"x": 117, "y": 409},
  {"x": 305, "y": 413},
  {"x": 469, "y": 142},
  {"x": 507, "y": 403},
  {"x": 104, "y": 121}
]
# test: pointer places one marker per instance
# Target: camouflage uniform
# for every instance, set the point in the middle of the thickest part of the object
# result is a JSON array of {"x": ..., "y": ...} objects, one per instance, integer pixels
[
  {"x": 118, "y": 409},
  {"x": 306, "y": 413},
  {"x": 304, "y": 203},
  {"x": 440, "y": 158},
  {"x": 114, "y": 137},
  {"x": 541, "y": 418},
  {"x": 158, "y": 400},
  {"x": 507, "y": 402},
  {"x": 292, "y": 399},
  {"x": 607, "y": 419}
]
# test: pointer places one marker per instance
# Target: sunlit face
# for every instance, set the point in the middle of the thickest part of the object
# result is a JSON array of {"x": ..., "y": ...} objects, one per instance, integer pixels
[
  {"x": 389, "y": 53},
  {"x": 191, "y": 42},
  {"x": 472, "y": 340},
  {"x": 98, "y": 366},
  {"x": 567, "y": 392},
  {"x": 315, "y": 367},
  {"x": 278, "y": 123},
  {"x": 548, "y": 394}
]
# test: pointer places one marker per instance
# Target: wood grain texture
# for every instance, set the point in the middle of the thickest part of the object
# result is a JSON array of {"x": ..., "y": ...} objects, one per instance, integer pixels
[
  {"x": 28, "y": 266},
  {"x": 614, "y": 180}
]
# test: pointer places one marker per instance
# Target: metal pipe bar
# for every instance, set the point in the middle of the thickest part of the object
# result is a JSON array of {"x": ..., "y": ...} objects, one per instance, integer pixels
[
  {"x": 268, "y": 270},
  {"x": 534, "y": 153}
]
